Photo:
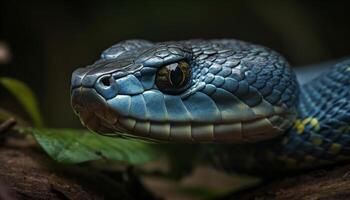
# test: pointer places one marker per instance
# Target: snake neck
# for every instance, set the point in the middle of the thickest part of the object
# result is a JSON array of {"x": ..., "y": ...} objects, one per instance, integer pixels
[{"x": 319, "y": 136}]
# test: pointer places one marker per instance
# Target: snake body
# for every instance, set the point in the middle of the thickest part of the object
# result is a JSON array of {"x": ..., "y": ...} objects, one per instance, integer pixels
[{"x": 241, "y": 100}]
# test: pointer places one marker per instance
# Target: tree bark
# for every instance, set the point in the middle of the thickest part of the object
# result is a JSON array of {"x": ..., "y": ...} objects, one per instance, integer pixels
[
  {"x": 26, "y": 172},
  {"x": 322, "y": 184}
]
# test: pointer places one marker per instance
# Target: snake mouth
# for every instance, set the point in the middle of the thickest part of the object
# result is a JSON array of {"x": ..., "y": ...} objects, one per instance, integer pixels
[
  {"x": 94, "y": 114},
  {"x": 97, "y": 116},
  {"x": 92, "y": 110}
]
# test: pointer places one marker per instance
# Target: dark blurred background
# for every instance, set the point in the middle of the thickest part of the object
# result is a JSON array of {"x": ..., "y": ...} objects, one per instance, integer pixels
[{"x": 42, "y": 42}]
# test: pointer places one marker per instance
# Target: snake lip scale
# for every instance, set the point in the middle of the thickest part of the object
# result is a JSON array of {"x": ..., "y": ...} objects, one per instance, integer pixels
[
  {"x": 218, "y": 92},
  {"x": 96, "y": 115}
]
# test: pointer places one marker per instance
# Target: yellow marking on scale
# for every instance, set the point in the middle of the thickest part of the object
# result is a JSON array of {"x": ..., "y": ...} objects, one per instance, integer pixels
[
  {"x": 307, "y": 120},
  {"x": 315, "y": 124},
  {"x": 299, "y": 125}
]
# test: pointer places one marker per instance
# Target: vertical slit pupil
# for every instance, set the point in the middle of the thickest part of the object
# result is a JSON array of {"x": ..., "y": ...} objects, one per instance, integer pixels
[
  {"x": 173, "y": 78},
  {"x": 176, "y": 76}
]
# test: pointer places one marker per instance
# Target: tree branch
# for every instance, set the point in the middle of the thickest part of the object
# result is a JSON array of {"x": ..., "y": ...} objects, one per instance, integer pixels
[{"x": 7, "y": 125}]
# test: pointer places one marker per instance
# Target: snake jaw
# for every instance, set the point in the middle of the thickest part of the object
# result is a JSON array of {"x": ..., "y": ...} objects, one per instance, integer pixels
[
  {"x": 98, "y": 116},
  {"x": 101, "y": 117}
]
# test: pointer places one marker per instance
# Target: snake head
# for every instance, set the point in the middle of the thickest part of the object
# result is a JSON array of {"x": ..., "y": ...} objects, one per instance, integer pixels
[{"x": 190, "y": 91}]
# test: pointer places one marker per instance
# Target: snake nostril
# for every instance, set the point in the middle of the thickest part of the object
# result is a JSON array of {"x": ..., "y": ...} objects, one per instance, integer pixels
[
  {"x": 106, "y": 81},
  {"x": 106, "y": 86}
]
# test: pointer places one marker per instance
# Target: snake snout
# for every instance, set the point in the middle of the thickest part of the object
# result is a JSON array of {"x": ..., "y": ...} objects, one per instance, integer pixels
[
  {"x": 77, "y": 77},
  {"x": 92, "y": 110}
]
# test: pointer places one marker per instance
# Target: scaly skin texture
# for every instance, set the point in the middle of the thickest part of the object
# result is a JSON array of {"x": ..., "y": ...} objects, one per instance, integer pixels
[
  {"x": 319, "y": 136},
  {"x": 243, "y": 100}
]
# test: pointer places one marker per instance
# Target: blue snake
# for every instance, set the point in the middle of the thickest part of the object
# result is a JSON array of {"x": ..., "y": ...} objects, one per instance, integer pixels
[{"x": 241, "y": 101}]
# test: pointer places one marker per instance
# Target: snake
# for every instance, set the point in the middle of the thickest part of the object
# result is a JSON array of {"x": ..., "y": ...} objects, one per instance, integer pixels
[{"x": 240, "y": 101}]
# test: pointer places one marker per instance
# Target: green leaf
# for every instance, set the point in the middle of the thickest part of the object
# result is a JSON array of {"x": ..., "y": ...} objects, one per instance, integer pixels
[
  {"x": 25, "y": 96},
  {"x": 76, "y": 146}
]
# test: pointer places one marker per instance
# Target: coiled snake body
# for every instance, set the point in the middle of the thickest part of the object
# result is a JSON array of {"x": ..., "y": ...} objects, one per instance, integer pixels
[{"x": 242, "y": 101}]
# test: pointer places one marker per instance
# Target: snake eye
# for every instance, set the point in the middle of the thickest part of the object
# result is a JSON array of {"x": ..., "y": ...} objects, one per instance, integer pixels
[{"x": 173, "y": 78}]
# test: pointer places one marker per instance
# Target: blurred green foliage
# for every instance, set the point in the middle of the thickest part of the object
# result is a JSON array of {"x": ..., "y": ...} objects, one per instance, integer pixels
[{"x": 25, "y": 96}]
